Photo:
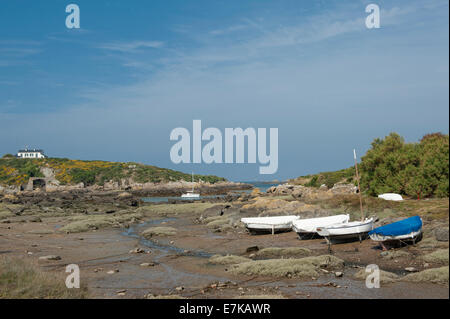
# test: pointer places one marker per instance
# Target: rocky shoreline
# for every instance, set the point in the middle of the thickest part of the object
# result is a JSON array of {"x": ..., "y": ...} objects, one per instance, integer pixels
[
  {"x": 114, "y": 236},
  {"x": 110, "y": 193}
]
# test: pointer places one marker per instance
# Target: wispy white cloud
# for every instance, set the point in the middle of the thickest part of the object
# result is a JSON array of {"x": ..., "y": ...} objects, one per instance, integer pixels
[
  {"x": 16, "y": 52},
  {"x": 19, "y": 52},
  {"x": 256, "y": 40},
  {"x": 131, "y": 47}
]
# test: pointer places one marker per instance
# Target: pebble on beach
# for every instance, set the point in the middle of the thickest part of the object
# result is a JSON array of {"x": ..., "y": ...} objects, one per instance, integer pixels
[{"x": 50, "y": 257}]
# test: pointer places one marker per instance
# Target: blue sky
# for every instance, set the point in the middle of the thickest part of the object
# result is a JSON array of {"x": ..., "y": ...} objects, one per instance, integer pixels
[{"x": 114, "y": 89}]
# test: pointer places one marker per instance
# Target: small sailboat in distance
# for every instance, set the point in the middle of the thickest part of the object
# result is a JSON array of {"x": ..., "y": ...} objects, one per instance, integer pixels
[{"x": 191, "y": 194}]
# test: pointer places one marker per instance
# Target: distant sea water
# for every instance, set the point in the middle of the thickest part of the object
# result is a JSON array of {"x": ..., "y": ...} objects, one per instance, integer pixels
[{"x": 262, "y": 186}]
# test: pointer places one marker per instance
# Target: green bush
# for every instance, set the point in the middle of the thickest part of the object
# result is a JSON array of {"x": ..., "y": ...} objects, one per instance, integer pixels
[
  {"x": 414, "y": 169},
  {"x": 331, "y": 178},
  {"x": 83, "y": 176},
  {"x": 17, "y": 171},
  {"x": 391, "y": 165}
]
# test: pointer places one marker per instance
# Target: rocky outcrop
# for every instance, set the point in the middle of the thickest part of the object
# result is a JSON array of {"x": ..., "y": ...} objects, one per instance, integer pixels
[
  {"x": 63, "y": 188},
  {"x": 9, "y": 189},
  {"x": 343, "y": 188},
  {"x": 310, "y": 193},
  {"x": 283, "y": 189},
  {"x": 304, "y": 193},
  {"x": 10, "y": 198},
  {"x": 177, "y": 188},
  {"x": 48, "y": 183},
  {"x": 268, "y": 206}
]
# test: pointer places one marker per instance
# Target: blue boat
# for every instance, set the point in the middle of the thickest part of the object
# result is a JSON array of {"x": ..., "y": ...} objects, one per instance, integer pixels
[{"x": 403, "y": 230}]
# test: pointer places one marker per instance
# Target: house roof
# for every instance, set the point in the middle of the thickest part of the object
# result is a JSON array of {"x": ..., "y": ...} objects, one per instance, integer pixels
[{"x": 32, "y": 151}]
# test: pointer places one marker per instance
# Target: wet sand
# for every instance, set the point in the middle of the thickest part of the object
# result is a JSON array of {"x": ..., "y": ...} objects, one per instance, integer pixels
[{"x": 181, "y": 261}]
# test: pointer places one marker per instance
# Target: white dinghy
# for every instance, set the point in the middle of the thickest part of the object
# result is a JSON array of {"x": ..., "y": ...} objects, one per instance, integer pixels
[
  {"x": 391, "y": 196},
  {"x": 269, "y": 224},
  {"x": 349, "y": 230},
  {"x": 307, "y": 228}
]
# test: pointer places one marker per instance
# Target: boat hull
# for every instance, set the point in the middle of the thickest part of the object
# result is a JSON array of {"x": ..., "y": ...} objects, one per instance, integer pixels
[
  {"x": 190, "y": 196},
  {"x": 307, "y": 228},
  {"x": 266, "y": 229},
  {"x": 346, "y": 231},
  {"x": 272, "y": 225},
  {"x": 410, "y": 236}
]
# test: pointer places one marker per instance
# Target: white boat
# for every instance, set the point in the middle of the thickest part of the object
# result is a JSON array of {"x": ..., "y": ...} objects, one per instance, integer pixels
[
  {"x": 269, "y": 224},
  {"x": 191, "y": 194},
  {"x": 349, "y": 230},
  {"x": 391, "y": 196},
  {"x": 307, "y": 227},
  {"x": 406, "y": 230}
]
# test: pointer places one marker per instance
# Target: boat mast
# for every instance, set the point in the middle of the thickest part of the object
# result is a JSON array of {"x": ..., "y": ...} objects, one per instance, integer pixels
[{"x": 359, "y": 187}]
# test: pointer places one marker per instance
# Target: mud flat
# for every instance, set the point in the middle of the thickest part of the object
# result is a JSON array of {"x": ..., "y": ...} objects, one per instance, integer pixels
[{"x": 201, "y": 250}]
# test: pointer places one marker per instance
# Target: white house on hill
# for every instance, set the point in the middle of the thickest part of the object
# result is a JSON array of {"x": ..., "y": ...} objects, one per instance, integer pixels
[{"x": 34, "y": 153}]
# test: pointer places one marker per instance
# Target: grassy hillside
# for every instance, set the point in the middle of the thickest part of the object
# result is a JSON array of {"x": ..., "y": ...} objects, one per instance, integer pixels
[
  {"x": 414, "y": 169},
  {"x": 326, "y": 178},
  {"x": 15, "y": 171}
]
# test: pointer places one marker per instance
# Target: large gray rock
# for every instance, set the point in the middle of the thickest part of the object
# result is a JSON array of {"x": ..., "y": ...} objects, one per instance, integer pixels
[
  {"x": 284, "y": 189},
  {"x": 441, "y": 234}
]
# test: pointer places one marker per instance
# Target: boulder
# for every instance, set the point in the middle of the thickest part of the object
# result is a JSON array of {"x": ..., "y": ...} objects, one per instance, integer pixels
[
  {"x": 441, "y": 234},
  {"x": 283, "y": 189},
  {"x": 271, "y": 190}
]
